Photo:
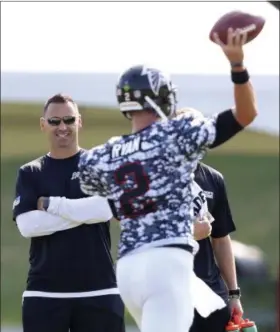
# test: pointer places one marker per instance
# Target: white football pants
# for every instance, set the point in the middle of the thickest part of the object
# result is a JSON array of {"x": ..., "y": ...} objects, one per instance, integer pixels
[{"x": 155, "y": 286}]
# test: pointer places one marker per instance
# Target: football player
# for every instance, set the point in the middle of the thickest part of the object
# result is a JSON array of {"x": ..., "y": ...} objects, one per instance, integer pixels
[{"x": 148, "y": 176}]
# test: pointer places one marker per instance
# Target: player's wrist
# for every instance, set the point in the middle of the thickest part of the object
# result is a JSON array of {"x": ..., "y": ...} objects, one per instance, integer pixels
[{"x": 239, "y": 75}]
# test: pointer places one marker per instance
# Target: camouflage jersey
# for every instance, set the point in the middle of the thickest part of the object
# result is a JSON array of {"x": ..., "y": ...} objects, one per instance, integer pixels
[{"x": 148, "y": 176}]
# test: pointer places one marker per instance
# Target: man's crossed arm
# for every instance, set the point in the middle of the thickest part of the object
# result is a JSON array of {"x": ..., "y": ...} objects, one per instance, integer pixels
[{"x": 62, "y": 214}]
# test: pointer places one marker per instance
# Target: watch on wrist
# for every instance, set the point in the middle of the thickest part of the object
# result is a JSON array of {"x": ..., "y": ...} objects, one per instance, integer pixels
[
  {"x": 46, "y": 203},
  {"x": 234, "y": 293}
]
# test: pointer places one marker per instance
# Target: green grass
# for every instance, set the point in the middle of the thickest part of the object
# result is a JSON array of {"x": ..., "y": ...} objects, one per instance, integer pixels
[
  {"x": 249, "y": 162},
  {"x": 18, "y": 121}
]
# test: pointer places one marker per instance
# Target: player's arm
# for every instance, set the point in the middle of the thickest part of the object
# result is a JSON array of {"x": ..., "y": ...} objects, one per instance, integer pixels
[
  {"x": 225, "y": 260},
  {"x": 207, "y": 133},
  {"x": 197, "y": 132},
  {"x": 90, "y": 179},
  {"x": 245, "y": 109},
  {"x": 221, "y": 241},
  {"x": 232, "y": 121},
  {"x": 87, "y": 210},
  {"x": 222, "y": 247},
  {"x": 30, "y": 221}
]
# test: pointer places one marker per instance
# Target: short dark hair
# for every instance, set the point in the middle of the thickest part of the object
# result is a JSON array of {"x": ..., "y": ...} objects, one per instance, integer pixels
[{"x": 59, "y": 98}]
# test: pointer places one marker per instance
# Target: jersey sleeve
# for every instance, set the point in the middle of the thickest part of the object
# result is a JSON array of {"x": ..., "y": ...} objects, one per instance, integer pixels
[
  {"x": 195, "y": 133},
  {"x": 25, "y": 194},
  {"x": 223, "y": 223},
  {"x": 89, "y": 175}
]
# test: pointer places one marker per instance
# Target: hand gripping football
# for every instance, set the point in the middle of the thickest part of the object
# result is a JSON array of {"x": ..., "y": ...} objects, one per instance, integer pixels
[{"x": 252, "y": 24}]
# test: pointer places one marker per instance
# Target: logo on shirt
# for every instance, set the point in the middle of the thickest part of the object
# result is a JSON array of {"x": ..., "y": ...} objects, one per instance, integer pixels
[
  {"x": 209, "y": 194},
  {"x": 75, "y": 175},
  {"x": 16, "y": 202},
  {"x": 198, "y": 202}
]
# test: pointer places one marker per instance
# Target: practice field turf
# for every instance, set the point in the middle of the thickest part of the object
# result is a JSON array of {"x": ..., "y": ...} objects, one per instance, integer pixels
[{"x": 249, "y": 162}]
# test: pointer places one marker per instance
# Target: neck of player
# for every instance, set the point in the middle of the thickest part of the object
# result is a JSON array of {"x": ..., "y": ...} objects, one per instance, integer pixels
[
  {"x": 63, "y": 153},
  {"x": 141, "y": 120}
]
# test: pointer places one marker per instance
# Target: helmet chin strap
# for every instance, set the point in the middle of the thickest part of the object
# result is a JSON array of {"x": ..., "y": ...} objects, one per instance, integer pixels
[{"x": 156, "y": 108}]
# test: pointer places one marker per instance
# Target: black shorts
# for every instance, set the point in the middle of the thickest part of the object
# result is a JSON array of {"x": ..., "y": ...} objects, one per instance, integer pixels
[
  {"x": 64, "y": 315},
  {"x": 216, "y": 322}
]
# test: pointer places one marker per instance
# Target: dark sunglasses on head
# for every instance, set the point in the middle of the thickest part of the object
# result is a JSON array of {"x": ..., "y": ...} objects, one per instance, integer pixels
[{"x": 56, "y": 121}]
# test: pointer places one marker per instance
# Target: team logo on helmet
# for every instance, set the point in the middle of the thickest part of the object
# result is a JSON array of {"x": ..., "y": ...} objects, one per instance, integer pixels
[
  {"x": 126, "y": 87},
  {"x": 155, "y": 78}
]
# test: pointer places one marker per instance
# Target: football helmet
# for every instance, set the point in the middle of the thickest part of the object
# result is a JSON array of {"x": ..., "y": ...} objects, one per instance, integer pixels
[{"x": 144, "y": 88}]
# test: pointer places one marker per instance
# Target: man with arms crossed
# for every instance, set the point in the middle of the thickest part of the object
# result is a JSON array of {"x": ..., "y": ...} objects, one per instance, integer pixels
[
  {"x": 148, "y": 175},
  {"x": 71, "y": 283}
]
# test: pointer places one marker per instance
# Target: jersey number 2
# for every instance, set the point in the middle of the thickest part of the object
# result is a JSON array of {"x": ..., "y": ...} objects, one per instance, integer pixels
[{"x": 141, "y": 181}]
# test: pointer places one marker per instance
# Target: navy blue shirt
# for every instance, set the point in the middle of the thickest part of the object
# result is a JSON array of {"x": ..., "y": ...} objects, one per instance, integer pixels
[
  {"x": 212, "y": 183},
  {"x": 73, "y": 260}
]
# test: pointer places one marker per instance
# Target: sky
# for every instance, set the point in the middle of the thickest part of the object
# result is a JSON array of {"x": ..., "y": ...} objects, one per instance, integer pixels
[{"x": 109, "y": 37}]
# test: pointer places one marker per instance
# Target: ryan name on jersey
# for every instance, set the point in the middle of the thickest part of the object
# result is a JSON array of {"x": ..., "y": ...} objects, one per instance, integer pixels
[{"x": 126, "y": 148}]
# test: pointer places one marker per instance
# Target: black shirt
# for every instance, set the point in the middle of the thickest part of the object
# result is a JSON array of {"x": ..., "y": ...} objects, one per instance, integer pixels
[
  {"x": 73, "y": 260},
  {"x": 212, "y": 183}
]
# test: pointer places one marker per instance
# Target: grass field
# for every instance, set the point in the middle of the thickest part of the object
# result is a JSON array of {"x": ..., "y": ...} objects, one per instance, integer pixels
[{"x": 249, "y": 162}]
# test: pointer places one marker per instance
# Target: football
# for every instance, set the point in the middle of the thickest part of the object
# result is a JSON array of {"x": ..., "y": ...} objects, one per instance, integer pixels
[{"x": 252, "y": 24}]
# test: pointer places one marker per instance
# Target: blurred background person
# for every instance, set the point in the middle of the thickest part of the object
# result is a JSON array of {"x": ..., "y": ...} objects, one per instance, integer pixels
[{"x": 214, "y": 263}]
